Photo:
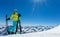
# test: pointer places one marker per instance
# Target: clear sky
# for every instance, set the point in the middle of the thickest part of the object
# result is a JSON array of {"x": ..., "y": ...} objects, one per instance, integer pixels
[{"x": 44, "y": 12}]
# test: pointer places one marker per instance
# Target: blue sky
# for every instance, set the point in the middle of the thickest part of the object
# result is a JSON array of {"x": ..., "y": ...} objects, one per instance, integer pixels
[{"x": 44, "y": 12}]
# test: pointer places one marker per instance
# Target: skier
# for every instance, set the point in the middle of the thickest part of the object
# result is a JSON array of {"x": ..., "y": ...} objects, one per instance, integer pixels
[{"x": 16, "y": 19}]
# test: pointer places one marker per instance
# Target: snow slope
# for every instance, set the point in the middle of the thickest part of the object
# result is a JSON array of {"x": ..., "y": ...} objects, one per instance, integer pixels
[{"x": 55, "y": 32}]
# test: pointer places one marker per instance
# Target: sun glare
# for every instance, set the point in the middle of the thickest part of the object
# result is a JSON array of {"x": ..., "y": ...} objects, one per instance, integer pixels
[{"x": 39, "y": 1}]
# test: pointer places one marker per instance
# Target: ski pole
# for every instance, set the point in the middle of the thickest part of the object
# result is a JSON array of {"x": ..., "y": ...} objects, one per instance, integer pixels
[
  {"x": 6, "y": 24},
  {"x": 20, "y": 24}
]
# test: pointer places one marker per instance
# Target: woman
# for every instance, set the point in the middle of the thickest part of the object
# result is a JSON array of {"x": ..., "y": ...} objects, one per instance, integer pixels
[{"x": 16, "y": 19}]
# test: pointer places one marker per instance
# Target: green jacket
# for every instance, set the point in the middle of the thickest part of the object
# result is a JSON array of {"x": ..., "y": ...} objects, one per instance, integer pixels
[{"x": 15, "y": 17}]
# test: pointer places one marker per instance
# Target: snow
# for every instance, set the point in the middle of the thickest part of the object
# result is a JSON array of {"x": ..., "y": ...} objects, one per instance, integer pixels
[
  {"x": 27, "y": 29},
  {"x": 55, "y": 32}
]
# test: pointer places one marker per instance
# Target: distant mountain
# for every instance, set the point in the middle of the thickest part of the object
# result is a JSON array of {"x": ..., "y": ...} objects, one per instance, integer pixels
[
  {"x": 27, "y": 29},
  {"x": 55, "y": 32}
]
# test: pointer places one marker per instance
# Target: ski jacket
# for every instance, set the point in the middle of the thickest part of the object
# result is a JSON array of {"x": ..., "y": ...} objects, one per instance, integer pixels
[{"x": 15, "y": 17}]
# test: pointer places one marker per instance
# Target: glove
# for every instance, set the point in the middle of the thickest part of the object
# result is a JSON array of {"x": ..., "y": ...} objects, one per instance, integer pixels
[
  {"x": 8, "y": 19},
  {"x": 19, "y": 15}
]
